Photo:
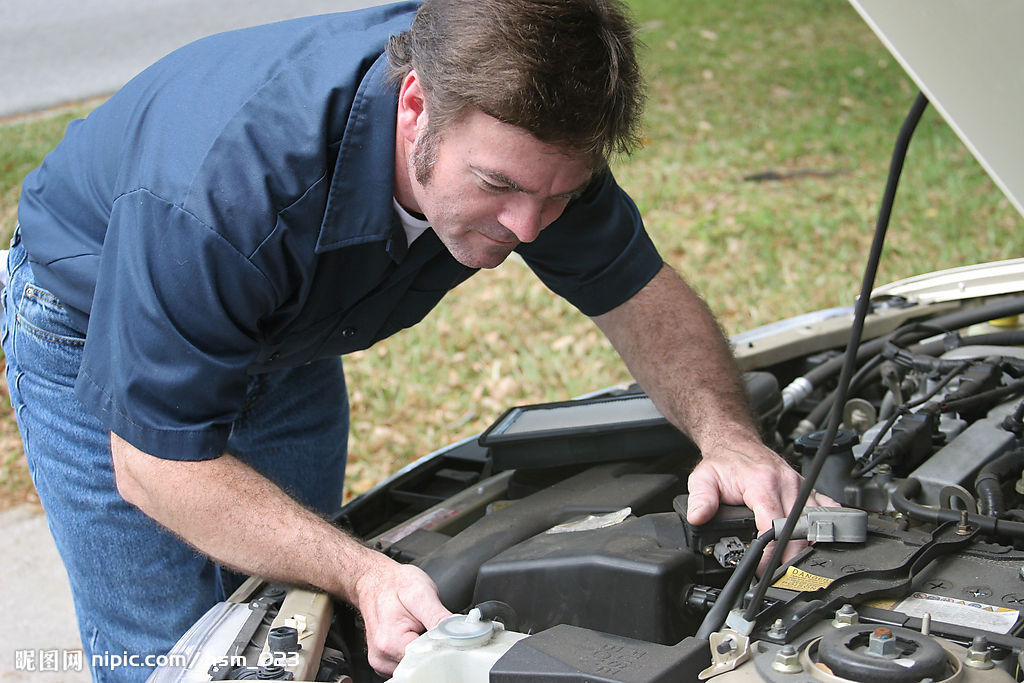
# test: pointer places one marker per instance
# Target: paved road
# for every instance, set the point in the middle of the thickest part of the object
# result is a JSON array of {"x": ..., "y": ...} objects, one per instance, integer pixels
[
  {"x": 51, "y": 53},
  {"x": 63, "y": 50},
  {"x": 38, "y": 618}
]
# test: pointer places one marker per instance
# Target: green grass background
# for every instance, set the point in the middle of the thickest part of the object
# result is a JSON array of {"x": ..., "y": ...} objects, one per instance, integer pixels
[{"x": 737, "y": 87}]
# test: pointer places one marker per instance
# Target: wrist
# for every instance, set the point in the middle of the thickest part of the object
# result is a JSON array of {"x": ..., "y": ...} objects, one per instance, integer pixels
[
  {"x": 349, "y": 571},
  {"x": 732, "y": 436}
]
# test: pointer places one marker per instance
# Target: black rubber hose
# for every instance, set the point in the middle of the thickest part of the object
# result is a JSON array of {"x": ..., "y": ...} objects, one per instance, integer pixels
[
  {"x": 990, "y": 396},
  {"x": 735, "y": 586},
  {"x": 1006, "y": 338},
  {"x": 496, "y": 610},
  {"x": 989, "y": 491},
  {"x": 988, "y": 485},
  {"x": 870, "y": 350},
  {"x": 951, "y": 321},
  {"x": 902, "y": 500}
]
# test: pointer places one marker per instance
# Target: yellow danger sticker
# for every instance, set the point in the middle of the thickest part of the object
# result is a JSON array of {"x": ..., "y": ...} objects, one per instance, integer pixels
[
  {"x": 880, "y": 603},
  {"x": 798, "y": 580}
]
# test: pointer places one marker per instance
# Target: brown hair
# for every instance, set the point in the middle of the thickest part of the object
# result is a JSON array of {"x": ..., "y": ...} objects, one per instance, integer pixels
[{"x": 563, "y": 70}]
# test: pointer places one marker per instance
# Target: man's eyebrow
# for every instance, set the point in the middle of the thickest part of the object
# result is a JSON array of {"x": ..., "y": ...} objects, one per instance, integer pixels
[{"x": 499, "y": 178}]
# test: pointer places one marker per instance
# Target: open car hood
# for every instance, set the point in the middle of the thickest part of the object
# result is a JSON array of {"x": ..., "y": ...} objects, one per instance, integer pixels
[{"x": 969, "y": 60}]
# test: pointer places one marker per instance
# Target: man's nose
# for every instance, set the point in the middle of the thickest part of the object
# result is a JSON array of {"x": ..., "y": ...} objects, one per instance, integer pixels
[{"x": 524, "y": 217}]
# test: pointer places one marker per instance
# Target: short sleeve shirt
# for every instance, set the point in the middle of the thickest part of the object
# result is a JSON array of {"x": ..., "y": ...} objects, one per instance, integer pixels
[{"x": 229, "y": 212}]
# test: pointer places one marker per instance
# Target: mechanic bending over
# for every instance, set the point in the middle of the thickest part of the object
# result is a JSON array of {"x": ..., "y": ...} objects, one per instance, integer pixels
[{"x": 195, "y": 256}]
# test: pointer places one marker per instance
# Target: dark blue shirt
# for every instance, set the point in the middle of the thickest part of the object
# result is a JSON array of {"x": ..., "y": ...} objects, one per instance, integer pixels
[{"x": 229, "y": 212}]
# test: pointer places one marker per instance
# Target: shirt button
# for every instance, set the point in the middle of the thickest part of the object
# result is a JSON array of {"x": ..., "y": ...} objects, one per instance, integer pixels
[{"x": 348, "y": 332}]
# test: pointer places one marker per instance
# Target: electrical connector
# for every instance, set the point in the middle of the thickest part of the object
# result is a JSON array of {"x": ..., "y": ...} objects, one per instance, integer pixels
[
  {"x": 729, "y": 551},
  {"x": 829, "y": 525}
]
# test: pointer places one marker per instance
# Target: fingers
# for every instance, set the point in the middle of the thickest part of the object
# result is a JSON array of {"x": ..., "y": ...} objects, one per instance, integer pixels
[
  {"x": 821, "y": 500},
  {"x": 704, "y": 495},
  {"x": 383, "y": 657},
  {"x": 768, "y": 500},
  {"x": 403, "y": 603},
  {"x": 751, "y": 475}
]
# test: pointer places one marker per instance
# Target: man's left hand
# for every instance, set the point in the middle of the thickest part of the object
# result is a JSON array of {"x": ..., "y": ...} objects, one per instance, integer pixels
[{"x": 747, "y": 474}]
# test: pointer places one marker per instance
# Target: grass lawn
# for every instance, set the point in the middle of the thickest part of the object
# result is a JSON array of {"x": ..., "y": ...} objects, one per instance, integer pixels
[{"x": 802, "y": 90}]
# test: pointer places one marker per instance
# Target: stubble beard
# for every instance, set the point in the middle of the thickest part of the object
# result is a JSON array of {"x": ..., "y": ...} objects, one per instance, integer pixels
[{"x": 423, "y": 157}]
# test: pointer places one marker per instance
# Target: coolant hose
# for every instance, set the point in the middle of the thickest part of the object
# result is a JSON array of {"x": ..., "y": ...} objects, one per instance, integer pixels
[
  {"x": 495, "y": 610},
  {"x": 956, "y": 320},
  {"x": 988, "y": 485},
  {"x": 816, "y": 376},
  {"x": 1005, "y": 338},
  {"x": 902, "y": 500}
]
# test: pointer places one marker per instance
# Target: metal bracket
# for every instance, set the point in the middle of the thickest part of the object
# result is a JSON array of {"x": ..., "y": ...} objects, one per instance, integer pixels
[{"x": 729, "y": 649}]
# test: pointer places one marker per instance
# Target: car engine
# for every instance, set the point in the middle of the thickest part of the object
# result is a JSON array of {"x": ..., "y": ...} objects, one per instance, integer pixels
[{"x": 560, "y": 534}]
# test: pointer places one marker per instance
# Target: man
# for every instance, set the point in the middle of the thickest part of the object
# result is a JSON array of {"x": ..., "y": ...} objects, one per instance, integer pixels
[{"x": 196, "y": 255}]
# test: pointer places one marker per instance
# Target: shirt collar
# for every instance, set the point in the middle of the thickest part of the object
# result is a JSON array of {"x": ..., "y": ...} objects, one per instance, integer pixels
[
  {"x": 359, "y": 207},
  {"x": 414, "y": 226}
]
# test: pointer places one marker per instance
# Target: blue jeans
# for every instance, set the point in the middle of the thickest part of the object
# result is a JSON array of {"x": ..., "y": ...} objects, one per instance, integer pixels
[{"x": 137, "y": 588}]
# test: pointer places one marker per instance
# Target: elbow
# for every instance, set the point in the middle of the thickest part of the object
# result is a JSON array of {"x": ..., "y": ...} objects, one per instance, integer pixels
[
  {"x": 127, "y": 478},
  {"x": 127, "y": 485}
]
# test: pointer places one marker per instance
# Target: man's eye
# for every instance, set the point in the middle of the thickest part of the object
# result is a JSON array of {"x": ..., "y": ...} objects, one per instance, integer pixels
[{"x": 491, "y": 187}]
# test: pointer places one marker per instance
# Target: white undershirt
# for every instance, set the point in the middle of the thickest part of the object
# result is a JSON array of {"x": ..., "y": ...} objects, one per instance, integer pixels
[{"x": 414, "y": 227}]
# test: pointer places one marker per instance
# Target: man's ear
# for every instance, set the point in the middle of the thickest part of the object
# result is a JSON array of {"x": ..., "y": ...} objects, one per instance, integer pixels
[{"x": 412, "y": 107}]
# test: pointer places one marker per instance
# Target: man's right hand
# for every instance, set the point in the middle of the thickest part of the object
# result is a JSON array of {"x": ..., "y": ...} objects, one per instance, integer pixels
[
  {"x": 232, "y": 513},
  {"x": 398, "y": 602}
]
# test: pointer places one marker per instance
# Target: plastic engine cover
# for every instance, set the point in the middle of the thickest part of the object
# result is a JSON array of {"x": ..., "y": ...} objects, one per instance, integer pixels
[{"x": 626, "y": 579}]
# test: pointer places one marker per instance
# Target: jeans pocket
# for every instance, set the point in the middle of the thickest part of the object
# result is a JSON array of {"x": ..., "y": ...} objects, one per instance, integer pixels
[{"x": 46, "y": 336}]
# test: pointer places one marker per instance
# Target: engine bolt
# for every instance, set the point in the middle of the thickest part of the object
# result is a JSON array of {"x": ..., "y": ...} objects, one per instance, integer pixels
[
  {"x": 709, "y": 550},
  {"x": 978, "y": 656},
  {"x": 882, "y": 642},
  {"x": 963, "y": 529},
  {"x": 787, "y": 660},
  {"x": 778, "y": 629},
  {"x": 846, "y": 616}
]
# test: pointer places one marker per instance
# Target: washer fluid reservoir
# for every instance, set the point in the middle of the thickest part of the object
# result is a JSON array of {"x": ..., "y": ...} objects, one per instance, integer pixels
[{"x": 461, "y": 649}]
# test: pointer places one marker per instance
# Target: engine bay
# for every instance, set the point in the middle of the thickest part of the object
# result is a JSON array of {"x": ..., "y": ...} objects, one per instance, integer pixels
[{"x": 564, "y": 526}]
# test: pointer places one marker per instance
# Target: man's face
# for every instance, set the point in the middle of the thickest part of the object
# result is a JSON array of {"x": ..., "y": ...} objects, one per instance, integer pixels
[{"x": 486, "y": 186}]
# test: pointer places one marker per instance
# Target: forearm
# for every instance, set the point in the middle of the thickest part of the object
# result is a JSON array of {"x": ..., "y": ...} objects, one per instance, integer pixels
[
  {"x": 675, "y": 350},
  {"x": 236, "y": 516}
]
